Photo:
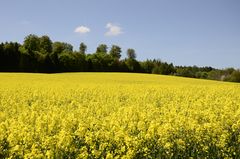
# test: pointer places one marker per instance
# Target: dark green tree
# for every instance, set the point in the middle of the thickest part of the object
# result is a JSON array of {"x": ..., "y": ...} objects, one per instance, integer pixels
[
  {"x": 9, "y": 56},
  {"x": 215, "y": 74},
  {"x": 102, "y": 48},
  {"x": 133, "y": 65},
  {"x": 163, "y": 68},
  {"x": 115, "y": 52},
  {"x": 80, "y": 61},
  {"x": 67, "y": 62},
  {"x": 200, "y": 74},
  {"x": 147, "y": 66},
  {"x": 31, "y": 43},
  {"x": 1, "y": 57},
  {"x": 185, "y": 72},
  {"x": 59, "y": 47},
  {"x": 131, "y": 62},
  {"x": 100, "y": 61},
  {"x": 235, "y": 76},
  {"x": 45, "y": 44},
  {"x": 131, "y": 54},
  {"x": 82, "y": 48}
]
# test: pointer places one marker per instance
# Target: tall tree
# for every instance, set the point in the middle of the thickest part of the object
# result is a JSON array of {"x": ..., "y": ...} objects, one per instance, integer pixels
[
  {"x": 45, "y": 44},
  {"x": 102, "y": 48},
  {"x": 131, "y": 54},
  {"x": 59, "y": 47},
  {"x": 2, "y": 57},
  {"x": 235, "y": 76},
  {"x": 31, "y": 43},
  {"x": 9, "y": 56},
  {"x": 115, "y": 51},
  {"x": 82, "y": 48}
]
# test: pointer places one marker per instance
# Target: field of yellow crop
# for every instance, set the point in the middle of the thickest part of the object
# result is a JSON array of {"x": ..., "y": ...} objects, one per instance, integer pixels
[{"x": 117, "y": 115}]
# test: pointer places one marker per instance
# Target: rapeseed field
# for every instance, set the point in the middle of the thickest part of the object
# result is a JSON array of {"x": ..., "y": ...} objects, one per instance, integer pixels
[{"x": 117, "y": 115}]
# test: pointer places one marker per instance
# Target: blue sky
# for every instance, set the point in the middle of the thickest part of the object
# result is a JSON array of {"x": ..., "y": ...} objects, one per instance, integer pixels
[{"x": 184, "y": 32}]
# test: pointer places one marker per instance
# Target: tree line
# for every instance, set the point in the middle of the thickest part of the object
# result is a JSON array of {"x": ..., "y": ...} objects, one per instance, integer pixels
[{"x": 40, "y": 54}]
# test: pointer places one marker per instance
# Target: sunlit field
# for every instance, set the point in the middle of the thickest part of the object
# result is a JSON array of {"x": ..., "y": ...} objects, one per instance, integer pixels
[{"x": 117, "y": 115}]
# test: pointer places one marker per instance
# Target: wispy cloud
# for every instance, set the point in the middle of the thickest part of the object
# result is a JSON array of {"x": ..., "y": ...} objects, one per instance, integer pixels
[
  {"x": 113, "y": 30},
  {"x": 82, "y": 30}
]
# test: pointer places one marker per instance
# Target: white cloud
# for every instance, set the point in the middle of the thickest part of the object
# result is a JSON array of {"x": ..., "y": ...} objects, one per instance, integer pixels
[
  {"x": 82, "y": 30},
  {"x": 113, "y": 30}
]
